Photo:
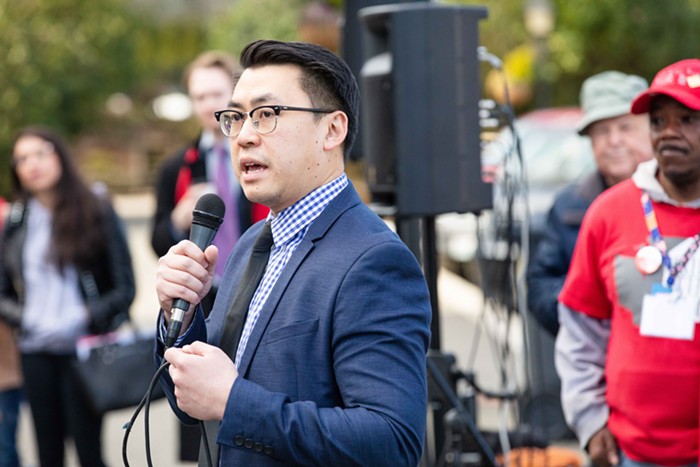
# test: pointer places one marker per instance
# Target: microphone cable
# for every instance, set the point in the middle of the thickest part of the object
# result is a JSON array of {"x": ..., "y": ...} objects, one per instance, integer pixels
[
  {"x": 146, "y": 402},
  {"x": 207, "y": 216}
]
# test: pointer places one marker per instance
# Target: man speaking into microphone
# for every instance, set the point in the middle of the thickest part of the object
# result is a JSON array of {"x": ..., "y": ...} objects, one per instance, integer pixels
[{"x": 314, "y": 352}]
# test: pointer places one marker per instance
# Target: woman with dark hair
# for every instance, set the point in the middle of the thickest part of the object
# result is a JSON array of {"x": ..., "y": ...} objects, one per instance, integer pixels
[{"x": 65, "y": 272}]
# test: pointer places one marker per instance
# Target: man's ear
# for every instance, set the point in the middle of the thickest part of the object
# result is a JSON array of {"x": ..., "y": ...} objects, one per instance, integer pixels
[{"x": 336, "y": 130}]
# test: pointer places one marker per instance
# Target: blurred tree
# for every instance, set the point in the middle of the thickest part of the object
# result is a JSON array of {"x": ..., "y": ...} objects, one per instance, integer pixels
[
  {"x": 633, "y": 36},
  {"x": 53, "y": 62},
  {"x": 248, "y": 20},
  {"x": 64, "y": 58},
  {"x": 61, "y": 59}
]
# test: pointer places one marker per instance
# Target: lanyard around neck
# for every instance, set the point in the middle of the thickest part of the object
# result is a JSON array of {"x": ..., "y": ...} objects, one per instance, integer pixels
[{"x": 658, "y": 241}]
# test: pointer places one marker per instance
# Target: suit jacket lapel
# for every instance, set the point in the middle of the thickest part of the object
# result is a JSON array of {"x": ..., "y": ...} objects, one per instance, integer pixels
[{"x": 271, "y": 304}]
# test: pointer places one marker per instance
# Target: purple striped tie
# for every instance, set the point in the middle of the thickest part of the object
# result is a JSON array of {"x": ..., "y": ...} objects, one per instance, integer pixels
[{"x": 229, "y": 230}]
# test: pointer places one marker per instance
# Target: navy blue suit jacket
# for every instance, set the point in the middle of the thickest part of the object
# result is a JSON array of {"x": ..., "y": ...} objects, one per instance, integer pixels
[
  {"x": 549, "y": 265},
  {"x": 334, "y": 372}
]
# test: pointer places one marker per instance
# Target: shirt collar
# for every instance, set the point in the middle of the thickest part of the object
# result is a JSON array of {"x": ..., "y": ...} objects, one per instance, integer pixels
[
  {"x": 297, "y": 217},
  {"x": 645, "y": 179},
  {"x": 206, "y": 140}
]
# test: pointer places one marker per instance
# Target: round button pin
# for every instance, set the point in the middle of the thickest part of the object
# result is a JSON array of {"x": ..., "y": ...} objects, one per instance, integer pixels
[{"x": 648, "y": 259}]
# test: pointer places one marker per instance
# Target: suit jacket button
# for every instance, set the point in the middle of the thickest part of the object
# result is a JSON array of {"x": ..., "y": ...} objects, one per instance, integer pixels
[
  {"x": 269, "y": 450},
  {"x": 248, "y": 443},
  {"x": 258, "y": 447},
  {"x": 238, "y": 440}
]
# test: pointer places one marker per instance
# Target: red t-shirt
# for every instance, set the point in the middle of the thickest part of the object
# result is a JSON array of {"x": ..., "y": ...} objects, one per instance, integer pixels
[{"x": 653, "y": 386}]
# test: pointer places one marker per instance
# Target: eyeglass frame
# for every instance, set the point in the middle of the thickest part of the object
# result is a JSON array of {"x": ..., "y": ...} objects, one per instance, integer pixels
[{"x": 275, "y": 108}]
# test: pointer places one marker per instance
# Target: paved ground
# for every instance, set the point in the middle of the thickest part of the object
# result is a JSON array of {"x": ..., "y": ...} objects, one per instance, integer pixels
[{"x": 462, "y": 322}]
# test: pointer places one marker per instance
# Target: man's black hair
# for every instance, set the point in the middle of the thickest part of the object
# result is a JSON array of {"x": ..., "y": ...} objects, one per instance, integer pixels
[{"x": 326, "y": 78}]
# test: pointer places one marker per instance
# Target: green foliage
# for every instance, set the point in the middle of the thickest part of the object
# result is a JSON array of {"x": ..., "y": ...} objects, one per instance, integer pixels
[
  {"x": 633, "y": 36},
  {"x": 63, "y": 58},
  {"x": 589, "y": 36},
  {"x": 248, "y": 20},
  {"x": 639, "y": 36},
  {"x": 163, "y": 51},
  {"x": 53, "y": 66},
  {"x": 54, "y": 69},
  {"x": 503, "y": 29}
]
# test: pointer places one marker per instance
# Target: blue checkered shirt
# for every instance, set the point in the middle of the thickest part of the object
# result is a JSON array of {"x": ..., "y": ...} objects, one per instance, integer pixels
[{"x": 288, "y": 229}]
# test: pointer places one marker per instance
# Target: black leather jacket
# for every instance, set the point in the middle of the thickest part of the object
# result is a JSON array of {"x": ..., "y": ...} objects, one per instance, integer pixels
[{"x": 108, "y": 286}]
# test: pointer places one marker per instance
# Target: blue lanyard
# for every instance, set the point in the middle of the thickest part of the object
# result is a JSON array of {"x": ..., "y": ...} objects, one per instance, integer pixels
[{"x": 659, "y": 242}]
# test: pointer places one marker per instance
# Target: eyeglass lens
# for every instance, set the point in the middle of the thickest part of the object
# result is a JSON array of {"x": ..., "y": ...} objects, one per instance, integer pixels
[{"x": 264, "y": 121}]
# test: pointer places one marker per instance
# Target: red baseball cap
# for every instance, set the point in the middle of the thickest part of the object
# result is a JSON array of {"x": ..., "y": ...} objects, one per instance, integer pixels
[{"x": 680, "y": 81}]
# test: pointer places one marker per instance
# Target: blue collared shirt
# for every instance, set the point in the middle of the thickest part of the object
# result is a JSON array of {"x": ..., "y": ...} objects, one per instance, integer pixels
[{"x": 288, "y": 229}]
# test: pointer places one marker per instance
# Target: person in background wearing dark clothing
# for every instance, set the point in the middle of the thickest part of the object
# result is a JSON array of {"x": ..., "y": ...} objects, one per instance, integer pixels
[
  {"x": 628, "y": 350},
  {"x": 203, "y": 166},
  {"x": 330, "y": 367},
  {"x": 10, "y": 384},
  {"x": 620, "y": 141},
  {"x": 65, "y": 272}
]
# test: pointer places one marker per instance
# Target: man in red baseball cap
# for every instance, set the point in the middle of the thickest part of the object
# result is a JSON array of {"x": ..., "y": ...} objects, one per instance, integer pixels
[{"x": 628, "y": 350}]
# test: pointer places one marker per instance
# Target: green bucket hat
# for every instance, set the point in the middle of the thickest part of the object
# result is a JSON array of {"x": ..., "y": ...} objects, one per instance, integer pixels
[{"x": 606, "y": 95}]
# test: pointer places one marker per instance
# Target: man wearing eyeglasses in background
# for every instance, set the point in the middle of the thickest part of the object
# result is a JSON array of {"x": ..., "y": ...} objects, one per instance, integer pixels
[
  {"x": 203, "y": 166},
  {"x": 330, "y": 367}
]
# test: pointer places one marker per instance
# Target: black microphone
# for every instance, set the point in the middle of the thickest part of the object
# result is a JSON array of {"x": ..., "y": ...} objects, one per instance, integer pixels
[{"x": 207, "y": 216}]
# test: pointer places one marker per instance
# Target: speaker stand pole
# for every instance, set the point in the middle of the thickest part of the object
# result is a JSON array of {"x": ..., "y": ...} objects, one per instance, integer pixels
[
  {"x": 418, "y": 233},
  {"x": 430, "y": 269}
]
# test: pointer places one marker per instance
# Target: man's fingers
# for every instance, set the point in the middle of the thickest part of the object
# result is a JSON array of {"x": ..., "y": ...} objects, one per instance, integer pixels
[
  {"x": 611, "y": 449},
  {"x": 198, "y": 348}
]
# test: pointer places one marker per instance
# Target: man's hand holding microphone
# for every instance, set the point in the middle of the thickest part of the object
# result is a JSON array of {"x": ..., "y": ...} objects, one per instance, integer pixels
[
  {"x": 186, "y": 272},
  {"x": 202, "y": 373}
]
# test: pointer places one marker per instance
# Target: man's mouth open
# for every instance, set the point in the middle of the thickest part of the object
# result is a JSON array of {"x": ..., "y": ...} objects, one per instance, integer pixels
[{"x": 252, "y": 167}]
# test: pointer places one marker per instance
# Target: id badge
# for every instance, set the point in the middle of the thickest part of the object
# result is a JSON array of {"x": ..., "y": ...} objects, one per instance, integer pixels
[{"x": 666, "y": 314}]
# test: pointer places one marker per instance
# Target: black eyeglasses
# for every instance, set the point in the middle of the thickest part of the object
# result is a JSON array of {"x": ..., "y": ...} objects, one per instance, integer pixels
[{"x": 264, "y": 118}]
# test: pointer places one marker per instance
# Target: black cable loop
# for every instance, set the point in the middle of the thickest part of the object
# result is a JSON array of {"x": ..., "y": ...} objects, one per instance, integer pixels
[{"x": 146, "y": 402}]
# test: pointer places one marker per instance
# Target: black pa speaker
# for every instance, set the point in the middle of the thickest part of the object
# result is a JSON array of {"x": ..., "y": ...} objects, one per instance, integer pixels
[
  {"x": 351, "y": 48},
  {"x": 420, "y": 108}
]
